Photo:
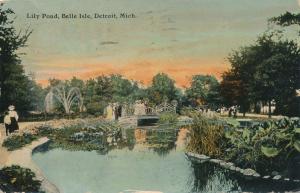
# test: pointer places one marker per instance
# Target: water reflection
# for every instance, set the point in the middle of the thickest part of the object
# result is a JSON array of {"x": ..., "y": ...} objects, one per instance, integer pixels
[
  {"x": 160, "y": 140},
  {"x": 145, "y": 160}
]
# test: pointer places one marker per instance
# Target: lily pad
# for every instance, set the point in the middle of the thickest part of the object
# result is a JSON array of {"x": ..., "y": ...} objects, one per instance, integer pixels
[{"x": 269, "y": 151}]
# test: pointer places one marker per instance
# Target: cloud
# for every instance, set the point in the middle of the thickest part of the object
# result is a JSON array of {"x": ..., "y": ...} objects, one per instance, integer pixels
[
  {"x": 140, "y": 70},
  {"x": 299, "y": 3},
  {"x": 108, "y": 43}
]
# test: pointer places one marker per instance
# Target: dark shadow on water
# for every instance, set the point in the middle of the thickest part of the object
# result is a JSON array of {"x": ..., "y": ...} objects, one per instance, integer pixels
[{"x": 212, "y": 178}]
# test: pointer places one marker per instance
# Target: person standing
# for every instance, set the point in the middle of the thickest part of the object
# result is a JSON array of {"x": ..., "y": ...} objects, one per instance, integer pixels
[
  {"x": 7, "y": 123},
  {"x": 14, "y": 126}
]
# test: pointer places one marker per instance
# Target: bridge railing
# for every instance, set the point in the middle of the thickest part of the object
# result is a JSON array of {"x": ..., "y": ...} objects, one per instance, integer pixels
[{"x": 130, "y": 110}]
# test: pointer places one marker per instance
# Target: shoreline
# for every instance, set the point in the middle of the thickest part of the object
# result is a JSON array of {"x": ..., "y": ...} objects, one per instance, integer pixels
[{"x": 23, "y": 158}]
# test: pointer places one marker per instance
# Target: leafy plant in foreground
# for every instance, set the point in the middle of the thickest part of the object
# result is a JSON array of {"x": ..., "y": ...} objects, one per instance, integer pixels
[
  {"x": 18, "y": 179},
  {"x": 266, "y": 146},
  {"x": 18, "y": 141}
]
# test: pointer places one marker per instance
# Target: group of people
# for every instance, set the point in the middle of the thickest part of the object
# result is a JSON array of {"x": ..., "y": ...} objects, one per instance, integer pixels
[
  {"x": 11, "y": 120},
  {"x": 233, "y": 111},
  {"x": 113, "y": 111}
]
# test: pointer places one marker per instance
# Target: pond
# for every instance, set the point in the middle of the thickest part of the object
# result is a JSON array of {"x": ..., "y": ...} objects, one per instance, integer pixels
[{"x": 151, "y": 160}]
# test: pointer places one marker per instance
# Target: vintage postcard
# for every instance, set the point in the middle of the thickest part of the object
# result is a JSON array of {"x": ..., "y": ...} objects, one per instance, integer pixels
[{"x": 149, "y": 96}]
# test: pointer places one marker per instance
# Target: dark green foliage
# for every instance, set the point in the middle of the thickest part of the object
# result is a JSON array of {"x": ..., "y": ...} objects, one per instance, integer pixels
[
  {"x": 265, "y": 147},
  {"x": 17, "y": 179},
  {"x": 18, "y": 141},
  {"x": 96, "y": 108},
  {"x": 287, "y": 19},
  {"x": 15, "y": 87},
  {"x": 204, "y": 90},
  {"x": 265, "y": 71},
  {"x": 168, "y": 118},
  {"x": 162, "y": 89}
]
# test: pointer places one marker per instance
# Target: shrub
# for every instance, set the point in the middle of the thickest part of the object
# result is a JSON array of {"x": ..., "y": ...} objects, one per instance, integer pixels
[
  {"x": 168, "y": 118},
  {"x": 96, "y": 108},
  {"x": 18, "y": 141},
  {"x": 18, "y": 179}
]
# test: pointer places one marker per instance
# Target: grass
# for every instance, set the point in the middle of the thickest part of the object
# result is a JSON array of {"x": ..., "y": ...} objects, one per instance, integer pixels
[{"x": 206, "y": 136}]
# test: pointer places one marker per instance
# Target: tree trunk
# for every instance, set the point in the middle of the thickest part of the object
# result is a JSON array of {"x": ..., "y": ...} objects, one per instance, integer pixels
[{"x": 269, "y": 108}]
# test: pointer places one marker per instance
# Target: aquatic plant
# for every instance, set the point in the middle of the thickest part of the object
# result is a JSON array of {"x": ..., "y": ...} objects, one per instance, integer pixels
[
  {"x": 271, "y": 144},
  {"x": 86, "y": 135},
  {"x": 206, "y": 136},
  {"x": 18, "y": 179}
]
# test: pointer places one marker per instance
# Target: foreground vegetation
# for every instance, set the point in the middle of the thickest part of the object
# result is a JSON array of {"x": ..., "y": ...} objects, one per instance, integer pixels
[
  {"x": 18, "y": 179},
  {"x": 271, "y": 146}
]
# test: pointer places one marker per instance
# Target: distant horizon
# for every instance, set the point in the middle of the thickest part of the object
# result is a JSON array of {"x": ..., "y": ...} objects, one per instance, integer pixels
[{"x": 178, "y": 38}]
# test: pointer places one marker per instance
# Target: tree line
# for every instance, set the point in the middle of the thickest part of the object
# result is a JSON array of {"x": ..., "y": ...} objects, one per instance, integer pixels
[{"x": 266, "y": 71}]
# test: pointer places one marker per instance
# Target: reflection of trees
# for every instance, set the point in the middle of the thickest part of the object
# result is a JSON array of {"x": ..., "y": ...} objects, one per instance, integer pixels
[
  {"x": 208, "y": 178},
  {"x": 161, "y": 141},
  {"x": 211, "y": 178},
  {"x": 130, "y": 138},
  {"x": 203, "y": 173}
]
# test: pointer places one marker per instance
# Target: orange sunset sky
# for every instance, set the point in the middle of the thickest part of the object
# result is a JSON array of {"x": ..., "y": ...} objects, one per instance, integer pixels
[{"x": 178, "y": 37}]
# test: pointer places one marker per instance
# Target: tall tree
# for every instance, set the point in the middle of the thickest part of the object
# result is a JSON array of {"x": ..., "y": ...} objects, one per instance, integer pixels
[
  {"x": 204, "y": 90},
  {"x": 14, "y": 84},
  {"x": 162, "y": 89},
  {"x": 265, "y": 71}
]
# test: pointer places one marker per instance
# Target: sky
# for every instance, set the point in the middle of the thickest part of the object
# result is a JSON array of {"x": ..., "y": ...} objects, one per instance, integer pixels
[{"x": 178, "y": 37}]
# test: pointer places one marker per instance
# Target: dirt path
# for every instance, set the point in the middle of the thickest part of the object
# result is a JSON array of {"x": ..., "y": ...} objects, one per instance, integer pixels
[
  {"x": 8, "y": 158},
  {"x": 4, "y": 154}
]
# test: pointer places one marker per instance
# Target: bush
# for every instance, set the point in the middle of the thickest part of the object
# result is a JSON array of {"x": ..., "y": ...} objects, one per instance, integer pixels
[
  {"x": 168, "y": 118},
  {"x": 96, "y": 108},
  {"x": 18, "y": 141},
  {"x": 17, "y": 179}
]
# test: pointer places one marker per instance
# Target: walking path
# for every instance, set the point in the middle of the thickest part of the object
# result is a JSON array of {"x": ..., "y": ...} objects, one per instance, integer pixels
[{"x": 23, "y": 158}]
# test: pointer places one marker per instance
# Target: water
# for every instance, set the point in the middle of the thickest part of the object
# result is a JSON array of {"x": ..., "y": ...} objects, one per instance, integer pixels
[{"x": 153, "y": 161}]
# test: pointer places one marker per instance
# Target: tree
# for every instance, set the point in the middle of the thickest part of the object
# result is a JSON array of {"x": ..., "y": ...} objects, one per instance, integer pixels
[
  {"x": 234, "y": 92},
  {"x": 162, "y": 89},
  {"x": 15, "y": 87},
  {"x": 204, "y": 90},
  {"x": 277, "y": 76},
  {"x": 124, "y": 90},
  {"x": 286, "y": 19},
  {"x": 265, "y": 71}
]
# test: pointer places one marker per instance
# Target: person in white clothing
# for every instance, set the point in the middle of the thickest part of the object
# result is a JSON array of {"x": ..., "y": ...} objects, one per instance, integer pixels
[
  {"x": 14, "y": 126},
  {"x": 7, "y": 123}
]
